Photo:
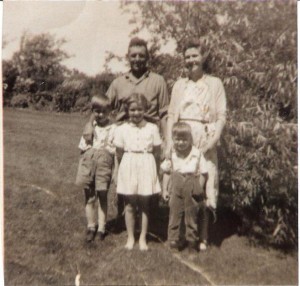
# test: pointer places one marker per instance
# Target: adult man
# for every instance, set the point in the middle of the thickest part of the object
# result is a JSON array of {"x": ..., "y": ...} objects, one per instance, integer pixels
[{"x": 141, "y": 80}]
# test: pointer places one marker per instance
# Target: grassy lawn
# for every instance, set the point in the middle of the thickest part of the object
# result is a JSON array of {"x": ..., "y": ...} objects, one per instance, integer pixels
[{"x": 45, "y": 224}]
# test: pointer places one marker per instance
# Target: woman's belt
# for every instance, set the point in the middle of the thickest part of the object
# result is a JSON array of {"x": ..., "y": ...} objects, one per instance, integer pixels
[
  {"x": 138, "y": 152},
  {"x": 191, "y": 119}
]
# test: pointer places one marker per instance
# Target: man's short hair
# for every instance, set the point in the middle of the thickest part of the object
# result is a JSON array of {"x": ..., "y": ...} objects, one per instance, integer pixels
[
  {"x": 191, "y": 43},
  {"x": 182, "y": 129},
  {"x": 138, "y": 42},
  {"x": 101, "y": 101}
]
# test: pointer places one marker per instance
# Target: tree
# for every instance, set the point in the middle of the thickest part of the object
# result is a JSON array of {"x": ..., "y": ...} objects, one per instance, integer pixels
[
  {"x": 38, "y": 63},
  {"x": 252, "y": 48},
  {"x": 10, "y": 74}
]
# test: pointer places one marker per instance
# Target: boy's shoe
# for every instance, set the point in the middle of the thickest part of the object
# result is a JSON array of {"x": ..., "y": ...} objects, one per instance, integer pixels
[
  {"x": 193, "y": 246},
  {"x": 178, "y": 245},
  {"x": 203, "y": 245},
  {"x": 90, "y": 235},
  {"x": 101, "y": 235}
]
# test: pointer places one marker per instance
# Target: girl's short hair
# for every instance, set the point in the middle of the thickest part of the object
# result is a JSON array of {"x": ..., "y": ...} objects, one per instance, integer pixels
[
  {"x": 137, "y": 98},
  {"x": 101, "y": 101},
  {"x": 182, "y": 129}
]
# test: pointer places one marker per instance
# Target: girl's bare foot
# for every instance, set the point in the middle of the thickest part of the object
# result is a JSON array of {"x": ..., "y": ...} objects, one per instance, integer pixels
[
  {"x": 143, "y": 245},
  {"x": 129, "y": 244}
]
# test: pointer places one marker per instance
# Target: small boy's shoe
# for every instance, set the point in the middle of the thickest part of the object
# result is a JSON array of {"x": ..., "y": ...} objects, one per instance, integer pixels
[
  {"x": 203, "y": 245},
  {"x": 90, "y": 235},
  {"x": 101, "y": 235},
  {"x": 173, "y": 244},
  {"x": 179, "y": 245},
  {"x": 193, "y": 246}
]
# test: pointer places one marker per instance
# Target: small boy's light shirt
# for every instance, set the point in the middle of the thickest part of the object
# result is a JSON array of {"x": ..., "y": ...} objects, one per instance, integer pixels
[
  {"x": 103, "y": 138},
  {"x": 186, "y": 165}
]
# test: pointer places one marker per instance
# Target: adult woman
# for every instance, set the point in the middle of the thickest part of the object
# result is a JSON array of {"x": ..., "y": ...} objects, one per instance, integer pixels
[{"x": 200, "y": 101}]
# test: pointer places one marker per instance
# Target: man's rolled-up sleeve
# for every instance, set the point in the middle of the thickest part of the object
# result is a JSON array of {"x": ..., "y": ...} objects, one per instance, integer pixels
[{"x": 163, "y": 98}]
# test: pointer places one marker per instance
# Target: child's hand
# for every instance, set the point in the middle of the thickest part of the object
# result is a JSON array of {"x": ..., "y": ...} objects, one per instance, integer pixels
[{"x": 88, "y": 138}]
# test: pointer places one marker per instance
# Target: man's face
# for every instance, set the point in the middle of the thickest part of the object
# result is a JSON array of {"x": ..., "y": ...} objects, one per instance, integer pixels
[
  {"x": 137, "y": 56},
  {"x": 193, "y": 60}
]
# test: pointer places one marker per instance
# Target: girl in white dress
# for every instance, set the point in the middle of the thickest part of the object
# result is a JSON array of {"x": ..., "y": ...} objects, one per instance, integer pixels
[{"x": 138, "y": 151}]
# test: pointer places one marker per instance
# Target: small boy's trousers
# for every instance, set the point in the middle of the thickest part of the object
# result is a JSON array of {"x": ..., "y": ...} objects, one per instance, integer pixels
[{"x": 184, "y": 201}]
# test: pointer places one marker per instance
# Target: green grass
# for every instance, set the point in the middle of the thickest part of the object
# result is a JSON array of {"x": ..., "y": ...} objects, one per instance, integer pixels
[{"x": 45, "y": 224}]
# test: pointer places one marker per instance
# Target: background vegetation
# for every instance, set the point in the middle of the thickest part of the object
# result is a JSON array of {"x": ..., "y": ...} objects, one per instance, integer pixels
[{"x": 252, "y": 49}]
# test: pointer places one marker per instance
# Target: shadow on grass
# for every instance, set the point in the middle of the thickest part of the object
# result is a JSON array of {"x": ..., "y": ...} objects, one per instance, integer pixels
[{"x": 227, "y": 224}]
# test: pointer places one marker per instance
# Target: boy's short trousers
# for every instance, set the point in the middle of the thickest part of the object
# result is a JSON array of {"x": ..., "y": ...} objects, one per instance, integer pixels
[{"x": 95, "y": 167}]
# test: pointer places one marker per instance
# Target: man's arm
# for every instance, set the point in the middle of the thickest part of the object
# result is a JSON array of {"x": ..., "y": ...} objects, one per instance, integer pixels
[
  {"x": 163, "y": 103},
  {"x": 119, "y": 154},
  {"x": 166, "y": 193}
]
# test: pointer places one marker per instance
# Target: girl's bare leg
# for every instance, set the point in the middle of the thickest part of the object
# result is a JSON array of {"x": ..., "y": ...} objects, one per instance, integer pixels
[
  {"x": 130, "y": 224},
  {"x": 144, "y": 203},
  {"x": 144, "y": 230}
]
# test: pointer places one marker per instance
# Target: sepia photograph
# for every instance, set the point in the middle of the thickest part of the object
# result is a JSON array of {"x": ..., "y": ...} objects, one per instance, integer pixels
[{"x": 150, "y": 142}]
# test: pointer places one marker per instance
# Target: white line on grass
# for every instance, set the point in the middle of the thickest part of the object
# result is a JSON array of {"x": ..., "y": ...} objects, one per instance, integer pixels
[
  {"x": 48, "y": 192},
  {"x": 190, "y": 265}
]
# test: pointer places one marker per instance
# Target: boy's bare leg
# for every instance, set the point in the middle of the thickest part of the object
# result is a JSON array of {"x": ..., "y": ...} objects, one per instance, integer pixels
[
  {"x": 102, "y": 210},
  {"x": 90, "y": 210}
]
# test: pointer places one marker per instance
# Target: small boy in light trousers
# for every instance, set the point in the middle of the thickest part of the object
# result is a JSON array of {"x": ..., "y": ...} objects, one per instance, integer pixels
[
  {"x": 185, "y": 174},
  {"x": 95, "y": 167}
]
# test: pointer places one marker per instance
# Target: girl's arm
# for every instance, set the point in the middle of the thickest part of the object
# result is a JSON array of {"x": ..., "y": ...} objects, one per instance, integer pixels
[{"x": 119, "y": 154}]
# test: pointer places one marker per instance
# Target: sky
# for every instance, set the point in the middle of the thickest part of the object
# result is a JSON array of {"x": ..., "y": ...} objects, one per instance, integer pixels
[{"x": 90, "y": 27}]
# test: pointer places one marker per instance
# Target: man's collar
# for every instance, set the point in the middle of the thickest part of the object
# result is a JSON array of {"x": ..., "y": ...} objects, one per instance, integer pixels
[{"x": 133, "y": 79}]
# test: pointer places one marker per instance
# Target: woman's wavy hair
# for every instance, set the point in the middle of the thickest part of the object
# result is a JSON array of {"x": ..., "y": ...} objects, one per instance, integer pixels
[{"x": 204, "y": 50}]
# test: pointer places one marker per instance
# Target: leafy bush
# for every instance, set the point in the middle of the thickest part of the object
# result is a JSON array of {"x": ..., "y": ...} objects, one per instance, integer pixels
[
  {"x": 259, "y": 167},
  {"x": 20, "y": 100}
]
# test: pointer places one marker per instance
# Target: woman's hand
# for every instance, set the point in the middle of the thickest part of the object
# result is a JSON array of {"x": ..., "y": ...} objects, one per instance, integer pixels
[
  {"x": 208, "y": 146},
  {"x": 168, "y": 151}
]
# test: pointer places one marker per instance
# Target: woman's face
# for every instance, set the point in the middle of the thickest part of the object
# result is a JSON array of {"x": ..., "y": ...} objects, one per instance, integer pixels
[
  {"x": 193, "y": 61},
  {"x": 136, "y": 112}
]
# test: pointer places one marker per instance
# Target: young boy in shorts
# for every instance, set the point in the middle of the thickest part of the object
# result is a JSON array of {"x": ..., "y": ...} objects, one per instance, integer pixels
[{"x": 95, "y": 167}]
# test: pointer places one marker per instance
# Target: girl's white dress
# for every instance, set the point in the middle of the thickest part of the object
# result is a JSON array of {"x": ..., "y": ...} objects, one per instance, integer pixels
[{"x": 137, "y": 174}]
